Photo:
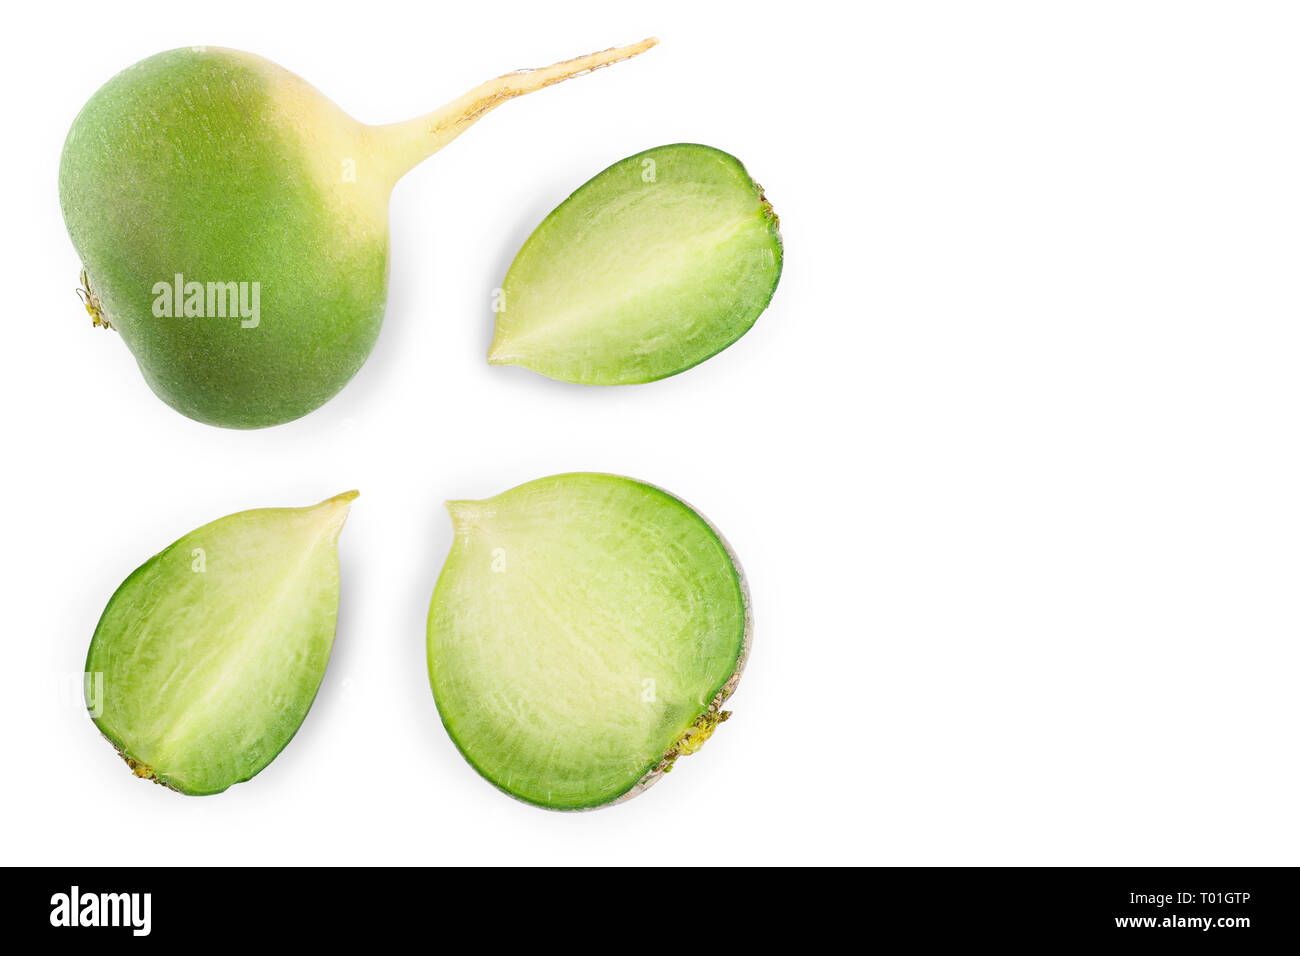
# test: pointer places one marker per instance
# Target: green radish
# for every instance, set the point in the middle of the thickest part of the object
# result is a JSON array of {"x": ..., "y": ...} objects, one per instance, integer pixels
[
  {"x": 584, "y": 634},
  {"x": 651, "y": 267},
  {"x": 208, "y": 657},
  {"x": 233, "y": 224}
]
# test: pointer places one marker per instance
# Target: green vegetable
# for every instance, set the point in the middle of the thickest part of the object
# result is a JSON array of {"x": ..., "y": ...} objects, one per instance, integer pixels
[
  {"x": 584, "y": 634},
  {"x": 656, "y": 264},
  {"x": 233, "y": 224},
  {"x": 208, "y": 657}
]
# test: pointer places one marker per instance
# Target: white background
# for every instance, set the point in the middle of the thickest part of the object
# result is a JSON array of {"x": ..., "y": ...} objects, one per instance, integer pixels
[{"x": 1011, "y": 461}]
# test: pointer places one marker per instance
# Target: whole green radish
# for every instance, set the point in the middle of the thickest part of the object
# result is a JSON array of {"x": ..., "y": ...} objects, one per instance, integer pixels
[{"x": 232, "y": 224}]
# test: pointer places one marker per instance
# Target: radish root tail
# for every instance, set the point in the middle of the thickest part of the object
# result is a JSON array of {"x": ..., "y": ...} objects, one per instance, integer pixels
[{"x": 415, "y": 140}]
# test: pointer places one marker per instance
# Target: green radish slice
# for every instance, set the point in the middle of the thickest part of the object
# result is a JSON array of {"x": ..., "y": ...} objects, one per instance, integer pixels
[
  {"x": 208, "y": 657},
  {"x": 651, "y": 267},
  {"x": 583, "y": 635}
]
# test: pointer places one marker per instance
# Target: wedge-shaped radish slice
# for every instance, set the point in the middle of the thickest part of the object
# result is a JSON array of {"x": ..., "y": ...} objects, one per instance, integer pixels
[
  {"x": 208, "y": 657},
  {"x": 583, "y": 635},
  {"x": 657, "y": 263}
]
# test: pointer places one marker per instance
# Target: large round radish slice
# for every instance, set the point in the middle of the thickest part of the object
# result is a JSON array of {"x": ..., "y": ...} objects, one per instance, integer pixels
[{"x": 583, "y": 635}]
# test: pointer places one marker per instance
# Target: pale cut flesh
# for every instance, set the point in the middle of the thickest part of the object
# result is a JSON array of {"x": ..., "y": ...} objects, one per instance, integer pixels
[
  {"x": 651, "y": 267},
  {"x": 209, "y": 655},
  {"x": 583, "y": 634}
]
